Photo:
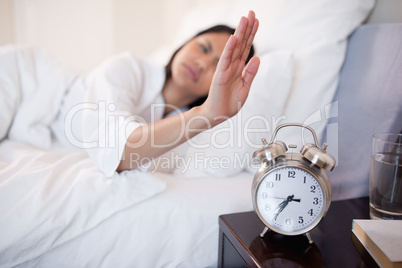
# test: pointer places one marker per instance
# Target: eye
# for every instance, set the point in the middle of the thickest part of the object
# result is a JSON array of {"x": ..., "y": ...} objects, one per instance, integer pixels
[{"x": 203, "y": 48}]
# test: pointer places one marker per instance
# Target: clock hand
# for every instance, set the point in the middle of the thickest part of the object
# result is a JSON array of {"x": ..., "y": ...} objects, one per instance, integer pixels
[
  {"x": 283, "y": 204},
  {"x": 279, "y": 211},
  {"x": 290, "y": 198},
  {"x": 281, "y": 207}
]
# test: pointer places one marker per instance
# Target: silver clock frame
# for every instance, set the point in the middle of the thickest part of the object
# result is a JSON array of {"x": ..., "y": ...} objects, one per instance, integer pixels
[
  {"x": 296, "y": 161},
  {"x": 312, "y": 159}
]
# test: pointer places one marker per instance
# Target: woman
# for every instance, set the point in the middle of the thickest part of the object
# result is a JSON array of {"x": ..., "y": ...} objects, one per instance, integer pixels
[{"x": 135, "y": 98}]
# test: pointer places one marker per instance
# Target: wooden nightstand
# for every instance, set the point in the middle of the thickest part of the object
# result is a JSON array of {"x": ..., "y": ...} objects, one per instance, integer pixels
[{"x": 241, "y": 246}]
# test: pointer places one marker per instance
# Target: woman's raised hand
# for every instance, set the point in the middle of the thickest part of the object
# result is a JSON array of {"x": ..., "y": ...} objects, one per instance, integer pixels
[
  {"x": 231, "y": 82},
  {"x": 228, "y": 92}
]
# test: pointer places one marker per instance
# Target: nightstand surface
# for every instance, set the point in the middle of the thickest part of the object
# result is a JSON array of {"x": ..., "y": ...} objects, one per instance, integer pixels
[{"x": 240, "y": 244}]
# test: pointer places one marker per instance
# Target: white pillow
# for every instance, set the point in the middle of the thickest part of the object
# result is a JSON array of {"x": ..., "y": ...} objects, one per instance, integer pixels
[
  {"x": 227, "y": 148},
  {"x": 315, "y": 31}
]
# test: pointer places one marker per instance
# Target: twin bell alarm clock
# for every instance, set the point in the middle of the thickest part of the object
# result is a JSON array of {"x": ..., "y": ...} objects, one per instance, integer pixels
[{"x": 291, "y": 192}]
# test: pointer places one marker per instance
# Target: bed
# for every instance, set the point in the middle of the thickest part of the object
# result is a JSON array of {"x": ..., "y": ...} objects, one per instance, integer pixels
[{"x": 57, "y": 209}]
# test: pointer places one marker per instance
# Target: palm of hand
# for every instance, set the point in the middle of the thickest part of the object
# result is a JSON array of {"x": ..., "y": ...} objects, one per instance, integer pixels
[{"x": 231, "y": 82}]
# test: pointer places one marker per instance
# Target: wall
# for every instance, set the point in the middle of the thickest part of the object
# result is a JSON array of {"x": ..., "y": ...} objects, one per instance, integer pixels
[
  {"x": 6, "y": 22},
  {"x": 81, "y": 33}
]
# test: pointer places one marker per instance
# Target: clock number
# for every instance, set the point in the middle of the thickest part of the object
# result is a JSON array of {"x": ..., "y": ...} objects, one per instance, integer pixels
[
  {"x": 267, "y": 207},
  {"x": 278, "y": 177},
  {"x": 315, "y": 202},
  {"x": 270, "y": 184},
  {"x": 312, "y": 187},
  {"x": 310, "y": 212},
  {"x": 288, "y": 221},
  {"x": 301, "y": 220},
  {"x": 304, "y": 180},
  {"x": 291, "y": 174},
  {"x": 264, "y": 195}
]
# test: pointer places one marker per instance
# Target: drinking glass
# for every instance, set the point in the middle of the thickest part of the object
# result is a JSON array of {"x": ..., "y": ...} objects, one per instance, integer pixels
[{"x": 386, "y": 177}]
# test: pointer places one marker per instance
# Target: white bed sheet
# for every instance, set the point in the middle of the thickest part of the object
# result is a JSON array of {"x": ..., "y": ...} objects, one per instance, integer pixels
[
  {"x": 176, "y": 226},
  {"x": 50, "y": 197}
]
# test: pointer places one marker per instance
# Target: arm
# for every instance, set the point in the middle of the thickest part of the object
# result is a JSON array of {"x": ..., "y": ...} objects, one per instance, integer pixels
[{"x": 228, "y": 92}]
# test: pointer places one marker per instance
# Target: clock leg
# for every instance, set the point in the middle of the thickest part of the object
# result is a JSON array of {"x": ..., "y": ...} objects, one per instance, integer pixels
[
  {"x": 264, "y": 232},
  {"x": 309, "y": 238}
]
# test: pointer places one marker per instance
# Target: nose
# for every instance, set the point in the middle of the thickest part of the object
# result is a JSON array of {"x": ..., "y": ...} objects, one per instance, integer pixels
[{"x": 205, "y": 63}]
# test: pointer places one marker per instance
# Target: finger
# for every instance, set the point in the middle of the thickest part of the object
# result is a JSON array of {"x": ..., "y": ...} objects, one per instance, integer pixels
[
  {"x": 227, "y": 54},
  {"x": 250, "y": 71},
  {"x": 239, "y": 34},
  {"x": 250, "y": 40},
  {"x": 250, "y": 26}
]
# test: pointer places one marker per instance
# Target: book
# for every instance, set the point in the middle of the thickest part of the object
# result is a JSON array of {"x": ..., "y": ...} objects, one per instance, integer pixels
[{"x": 382, "y": 239}]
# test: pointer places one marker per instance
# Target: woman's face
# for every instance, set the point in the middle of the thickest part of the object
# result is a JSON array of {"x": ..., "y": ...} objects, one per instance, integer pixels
[{"x": 195, "y": 63}]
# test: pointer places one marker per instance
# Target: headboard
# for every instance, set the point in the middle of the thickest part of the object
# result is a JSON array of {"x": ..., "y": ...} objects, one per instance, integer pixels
[
  {"x": 367, "y": 101},
  {"x": 389, "y": 11}
]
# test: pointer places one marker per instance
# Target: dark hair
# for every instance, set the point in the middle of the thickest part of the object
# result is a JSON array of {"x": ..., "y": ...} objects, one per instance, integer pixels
[{"x": 214, "y": 29}]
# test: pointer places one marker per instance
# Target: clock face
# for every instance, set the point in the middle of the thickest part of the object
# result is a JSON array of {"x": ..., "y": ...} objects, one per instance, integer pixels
[{"x": 290, "y": 200}]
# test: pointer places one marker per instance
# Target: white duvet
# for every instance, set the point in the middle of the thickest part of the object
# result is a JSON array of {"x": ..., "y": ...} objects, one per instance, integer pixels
[
  {"x": 32, "y": 86},
  {"x": 49, "y": 197}
]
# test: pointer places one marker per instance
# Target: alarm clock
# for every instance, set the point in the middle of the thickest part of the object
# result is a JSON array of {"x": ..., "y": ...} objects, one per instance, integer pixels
[{"x": 291, "y": 192}]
